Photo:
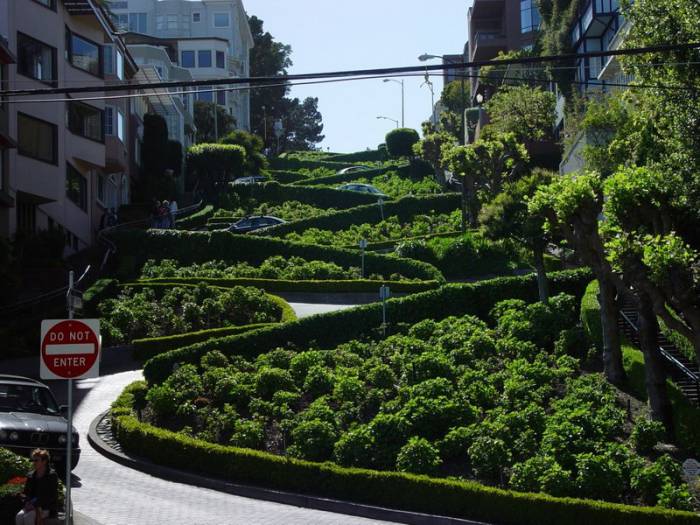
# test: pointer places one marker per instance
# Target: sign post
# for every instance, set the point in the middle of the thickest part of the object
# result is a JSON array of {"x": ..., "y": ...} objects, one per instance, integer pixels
[
  {"x": 384, "y": 294},
  {"x": 363, "y": 245},
  {"x": 70, "y": 349},
  {"x": 380, "y": 201}
]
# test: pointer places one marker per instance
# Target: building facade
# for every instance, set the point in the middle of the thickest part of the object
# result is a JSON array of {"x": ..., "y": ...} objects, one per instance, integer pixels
[
  {"x": 70, "y": 163},
  {"x": 212, "y": 40}
]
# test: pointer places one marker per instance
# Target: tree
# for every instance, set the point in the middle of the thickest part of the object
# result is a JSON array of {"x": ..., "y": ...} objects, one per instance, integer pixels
[
  {"x": 253, "y": 146},
  {"x": 211, "y": 166},
  {"x": 483, "y": 166},
  {"x": 399, "y": 142},
  {"x": 430, "y": 148},
  {"x": 507, "y": 216},
  {"x": 526, "y": 111},
  {"x": 455, "y": 99},
  {"x": 156, "y": 159},
  {"x": 207, "y": 129},
  {"x": 301, "y": 120}
]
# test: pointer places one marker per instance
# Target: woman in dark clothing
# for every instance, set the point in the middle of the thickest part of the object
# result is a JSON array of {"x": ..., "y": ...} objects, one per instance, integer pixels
[{"x": 40, "y": 491}]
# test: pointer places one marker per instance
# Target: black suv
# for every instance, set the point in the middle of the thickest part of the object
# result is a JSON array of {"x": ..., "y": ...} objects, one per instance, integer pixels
[{"x": 30, "y": 418}]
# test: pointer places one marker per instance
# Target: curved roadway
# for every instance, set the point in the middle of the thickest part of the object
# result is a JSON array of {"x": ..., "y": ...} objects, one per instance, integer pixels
[{"x": 112, "y": 494}]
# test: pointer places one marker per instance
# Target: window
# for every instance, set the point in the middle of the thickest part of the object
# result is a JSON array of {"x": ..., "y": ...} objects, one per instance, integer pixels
[
  {"x": 196, "y": 17},
  {"x": 529, "y": 16},
  {"x": 101, "y": 190},
  {"x": 220, "y": 60},
  {"x": 115, "y": 4},
  {"x": 205, "y": 96},
  {"x": 108, "y": 59},
  {"x": 114, "y": 123},
  {"x": 221, "y": 98},
  {"x": 36, "y": 59},
  {"x": 122, "y": 21},
  {"x": 2, "y": 170},
  {"x": 83, "y": 53},
  {"x": 204, "y": 58},
  {"x": 119, "y": 65},
  {"x": 160, "y": 22},
  {"x": 86, "y": 121},
  {"x": 109, "y": 120},
  {"x": 221, "y": 20},
  {"x": 187, "y": 59},
  {"x": 138, "y": 22},
  {"x": 172, "y": 21},
  {"x": 76, "y": 187},
  {"x": 51, "y": 4},
  {"x": 37, "y": 139}
]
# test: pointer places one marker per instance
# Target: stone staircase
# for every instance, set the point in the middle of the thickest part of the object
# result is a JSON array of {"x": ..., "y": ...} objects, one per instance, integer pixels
[{"x": 682, "y": 371}]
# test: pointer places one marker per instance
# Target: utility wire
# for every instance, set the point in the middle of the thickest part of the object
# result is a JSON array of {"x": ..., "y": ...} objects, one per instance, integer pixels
[{"x": 350, "y": 73}]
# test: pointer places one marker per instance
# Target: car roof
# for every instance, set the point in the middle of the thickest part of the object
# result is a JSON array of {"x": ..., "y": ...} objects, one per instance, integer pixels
[{"x": 20, "y": 380}]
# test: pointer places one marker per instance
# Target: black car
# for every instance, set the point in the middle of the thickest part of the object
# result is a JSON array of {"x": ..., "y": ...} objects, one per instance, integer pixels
[
  {"x": 249, "y": 224},
  {"x": 30, "y": 419}
]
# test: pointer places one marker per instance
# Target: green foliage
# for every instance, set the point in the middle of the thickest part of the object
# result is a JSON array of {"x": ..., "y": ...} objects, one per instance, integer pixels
[
  {"x": 253, "y": 145},
  {"x": 197, "y": 219},
  {"x": 525, "y": 111},
  {"x": 646, "y": 434},
  {"x": 204, "y": 114},
  {"x": 399, "y": 142},
  {"x": 155, "y": 160},
  {"x": 288, "y": 210},
  {"x": 212, "y": 165},
  {"x": 396, "y": 186},
  {"x": 12, "y": 465},
  {"x": 418, "y": 456},
  {"x": 313, "y": 441},
  {"x": 153, "y": 312}
]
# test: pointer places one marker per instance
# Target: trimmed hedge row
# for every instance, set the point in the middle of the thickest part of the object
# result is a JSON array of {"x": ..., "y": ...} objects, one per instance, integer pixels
[
  {"x": 282, "y": 285},
  {"x": 100, "y": 290},
  {"x": 460, "y": 499},
  {"x": 197, "y": 219},
  {"x": 374, "y": 155},
  {"x": 137, "y": 246},
  {"x": 354, "y": 175},
  {"x": 329, "y": 330},
  {"x": 286, "y": 176},
  {"x": 152, "y": 346},
  {"x": 390, "y": 244},
  {"x": 405, "y": 209},
  {"x": 686, "y": 417},
  {"x": 294, "y": 163},
  {"x": 274, "y": 193}
]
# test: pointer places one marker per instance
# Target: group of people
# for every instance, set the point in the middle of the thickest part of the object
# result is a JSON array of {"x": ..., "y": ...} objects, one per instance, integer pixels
[
  {"x": 40, "y": 494},
  {"x": 163, "y": 214}
]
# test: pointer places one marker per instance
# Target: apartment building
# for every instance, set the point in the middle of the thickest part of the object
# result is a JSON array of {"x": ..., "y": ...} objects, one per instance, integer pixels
[
  {"x": 71, "y": 160},
  {"x": 499, "y": 26},
  {"x": 599, "y": 26},
  {"x": 212, "y": 40}
]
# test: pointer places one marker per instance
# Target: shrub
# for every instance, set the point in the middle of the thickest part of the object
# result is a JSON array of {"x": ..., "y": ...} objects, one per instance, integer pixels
[
  {"x": 248, "y": 434},
  {"x": 313, "y": 440},
  {"x": 270, "y": 380},
  {"x": 489, "y": 457},
  {"x": 418, "y": 456},
  {"x": 212, "y": 165},
  {"x": 399, "y": 142},
  {"x": 599, "y": 477},
  {"x": 646, "y": 434},
  {"x": 354, "y": 448}
]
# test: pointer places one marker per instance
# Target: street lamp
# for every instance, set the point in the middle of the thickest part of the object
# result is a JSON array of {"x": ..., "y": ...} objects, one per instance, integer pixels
[
  {"x": 423, "y": 58},
  {"x": 402, "y": 98},
  {"x": 389, "y": 118}
]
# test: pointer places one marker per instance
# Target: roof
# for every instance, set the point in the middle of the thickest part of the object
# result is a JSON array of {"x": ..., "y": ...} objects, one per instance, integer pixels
[{"x": 7, "y": 378}]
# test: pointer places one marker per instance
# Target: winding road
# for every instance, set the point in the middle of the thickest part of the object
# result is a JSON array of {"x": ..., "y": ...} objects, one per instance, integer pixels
[{"x": 112, "y": 494}]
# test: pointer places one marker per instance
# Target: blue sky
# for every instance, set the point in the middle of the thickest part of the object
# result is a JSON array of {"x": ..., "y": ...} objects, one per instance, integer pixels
[{"x": 331, "y": 35}]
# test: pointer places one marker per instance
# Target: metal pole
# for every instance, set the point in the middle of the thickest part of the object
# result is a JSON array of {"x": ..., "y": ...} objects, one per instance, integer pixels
[
  {"x": 363, "y": 264},
  {"x": 403, "y": 125},
  {"x": 216, "y": 122},
  {"x": 380, "y": 201},
  {"x": 383, "y": 315},
  {"x": 69, "y": 430}
]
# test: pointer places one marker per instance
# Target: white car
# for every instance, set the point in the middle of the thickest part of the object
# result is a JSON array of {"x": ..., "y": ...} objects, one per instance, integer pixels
[
  {"x": 351, "y": 169},
  {"x": 362, "y": 188}
]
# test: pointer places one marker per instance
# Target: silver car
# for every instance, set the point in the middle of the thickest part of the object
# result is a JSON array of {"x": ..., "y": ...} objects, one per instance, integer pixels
[{"x": 30, "y": 418}]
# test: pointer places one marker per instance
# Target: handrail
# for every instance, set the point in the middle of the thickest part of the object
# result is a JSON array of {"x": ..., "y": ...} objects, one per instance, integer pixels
[{"x": 665, "y": 353}]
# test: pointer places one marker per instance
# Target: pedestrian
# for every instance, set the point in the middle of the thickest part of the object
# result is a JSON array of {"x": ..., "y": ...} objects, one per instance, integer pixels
[
  {"x": 40, "y": 491},
  {"x": 155, "y": 214},
  {"x": 111, "y": 218},
  {"x": 165, "y": 217},
  {"x": 173, "y": 212}
]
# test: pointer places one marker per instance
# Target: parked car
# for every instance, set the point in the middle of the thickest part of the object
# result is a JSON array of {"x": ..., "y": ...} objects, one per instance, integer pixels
[
  {"x": 351, "y": 169},
  {"x": 249, "y": 224},
  {"x": 253, "y": 179},
  {"x": 362, "y": 188},
  {"x": 30, "y": 418}
]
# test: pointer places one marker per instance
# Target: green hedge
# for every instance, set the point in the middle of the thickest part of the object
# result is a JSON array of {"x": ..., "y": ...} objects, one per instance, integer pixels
[
  {"x": 347, "y": 177},
  {"x": 373, "y": 155},
  {"x": 282, "y": 285},
  {"x": 390, "y": 244},
  {"x": 137, "y": 246},
  {"x": 197, "y": 219},
  {"x": 274, "y": 193},
  {"x": 329, "y": 330},
  {"x": 405, "y": 209},
  {"x": 294, "y": 163},
  {"x": 97, "y": 292},
  {"x": 459, "y": 499},
  {"x": 152, "y": 346},
  {"x": 686, "y": 417},
  {"x": 286, "y": 176}
]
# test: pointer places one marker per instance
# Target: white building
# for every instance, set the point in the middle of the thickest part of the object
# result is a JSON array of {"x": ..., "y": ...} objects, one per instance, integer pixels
[{"x": 212, "y": 37}]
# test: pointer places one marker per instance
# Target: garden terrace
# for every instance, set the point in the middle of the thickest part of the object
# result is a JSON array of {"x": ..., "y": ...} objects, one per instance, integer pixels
[
  {"x": 321, "y": 197},
  {"x": 199, "y": 247}
]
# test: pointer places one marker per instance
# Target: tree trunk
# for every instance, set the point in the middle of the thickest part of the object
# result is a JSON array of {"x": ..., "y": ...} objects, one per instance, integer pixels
[
  {"x": 542, "y": 283},
  {"x": 653, "y": 366},
  {"x": 612, "y": 354}
]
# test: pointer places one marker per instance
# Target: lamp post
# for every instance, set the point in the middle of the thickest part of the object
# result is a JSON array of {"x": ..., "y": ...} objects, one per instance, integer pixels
[
  {"x": 424, "y": 57},
  {"x": 402, "y": 98},
  {"x": 389, "y": 118},
  {"x": 265, "y": 124}
]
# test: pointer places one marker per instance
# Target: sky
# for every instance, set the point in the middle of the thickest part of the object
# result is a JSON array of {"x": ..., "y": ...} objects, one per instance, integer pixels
[{"x": 333, "y": 35}]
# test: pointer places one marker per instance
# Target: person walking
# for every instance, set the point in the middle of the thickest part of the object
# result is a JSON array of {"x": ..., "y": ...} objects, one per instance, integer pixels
[
  {"x": 155, "y": 214},
  {"x": 40, "y": 491},
  {"x": 173, "y": 213}
]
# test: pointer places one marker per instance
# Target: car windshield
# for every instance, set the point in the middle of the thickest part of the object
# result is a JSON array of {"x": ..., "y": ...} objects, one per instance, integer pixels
[{"x": 27, "y": 398}]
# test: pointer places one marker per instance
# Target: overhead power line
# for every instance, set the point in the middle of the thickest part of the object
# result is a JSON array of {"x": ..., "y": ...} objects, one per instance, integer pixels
[{"x": 255, "y": 81}]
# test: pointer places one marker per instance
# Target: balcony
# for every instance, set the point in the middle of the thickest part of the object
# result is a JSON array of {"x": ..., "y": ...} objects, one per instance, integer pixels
[
  {"x": 116, "y": 156},
  {"x": 487, "y": 9},
  {"x": 487, "y": 44},
  {"x": 595, "y": 17}
]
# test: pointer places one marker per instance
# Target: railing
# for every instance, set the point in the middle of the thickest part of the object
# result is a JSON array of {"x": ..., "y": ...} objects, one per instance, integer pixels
[{"x": 692, "y": 376}]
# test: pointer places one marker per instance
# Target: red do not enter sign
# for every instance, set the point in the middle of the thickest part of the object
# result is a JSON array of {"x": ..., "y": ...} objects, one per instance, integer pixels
[{"x": 70, "y": 348}]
